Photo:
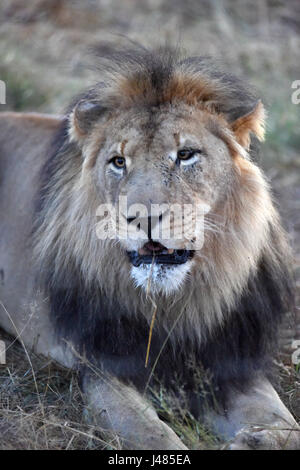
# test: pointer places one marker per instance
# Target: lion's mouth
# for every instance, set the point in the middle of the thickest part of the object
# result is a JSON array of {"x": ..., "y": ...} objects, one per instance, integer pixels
[{"x": 159, "y": 254}]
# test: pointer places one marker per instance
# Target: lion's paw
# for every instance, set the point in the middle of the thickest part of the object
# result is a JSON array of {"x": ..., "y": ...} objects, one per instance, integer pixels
[{"x": 257, "y": 438}]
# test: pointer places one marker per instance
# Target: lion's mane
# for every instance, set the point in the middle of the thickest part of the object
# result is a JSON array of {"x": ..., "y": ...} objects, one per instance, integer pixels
[{"x": 225, "y": 320}]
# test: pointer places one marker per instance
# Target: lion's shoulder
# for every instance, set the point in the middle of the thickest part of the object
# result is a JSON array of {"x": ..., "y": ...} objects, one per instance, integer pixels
[
  {"x": 25, "y": 134},
  {"x": 30, "y": 119},
  {"x": 24, "y": 126}
]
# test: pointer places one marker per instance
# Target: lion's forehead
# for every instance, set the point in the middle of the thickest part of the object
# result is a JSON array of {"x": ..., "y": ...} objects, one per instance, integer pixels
[{"x": 147, "y": 131}]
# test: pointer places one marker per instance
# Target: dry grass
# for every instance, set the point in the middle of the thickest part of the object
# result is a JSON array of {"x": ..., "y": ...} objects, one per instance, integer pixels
[
  {"x": 41, "y": 407},
  {"x": 47, "y": 416},
  {"x": 43, "y": 46}
]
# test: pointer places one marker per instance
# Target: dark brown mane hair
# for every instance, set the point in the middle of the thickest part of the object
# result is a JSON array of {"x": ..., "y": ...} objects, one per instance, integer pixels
[{"x": 142, "y": 77}]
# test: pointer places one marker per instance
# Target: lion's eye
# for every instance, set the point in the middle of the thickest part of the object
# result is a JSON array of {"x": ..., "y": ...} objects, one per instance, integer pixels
[
  {"x": 118, "y": 162},
  {"x": 187, "y": 156}
]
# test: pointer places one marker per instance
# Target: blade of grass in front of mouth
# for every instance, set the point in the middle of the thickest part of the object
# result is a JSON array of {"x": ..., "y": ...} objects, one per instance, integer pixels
[{"x": 154, "y": 312}]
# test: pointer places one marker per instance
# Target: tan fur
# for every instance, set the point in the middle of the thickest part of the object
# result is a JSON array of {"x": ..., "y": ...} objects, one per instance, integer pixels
[
  {"x": 17, "y": 121},
  {"x": 192, "y": 90},
  {"x": 254, "y": 122}
]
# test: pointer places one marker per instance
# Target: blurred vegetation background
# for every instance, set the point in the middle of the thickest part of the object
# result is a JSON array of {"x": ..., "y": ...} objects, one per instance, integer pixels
[
  {"x": 44, "y": 49},
  {"x": 44, "y": 54}
]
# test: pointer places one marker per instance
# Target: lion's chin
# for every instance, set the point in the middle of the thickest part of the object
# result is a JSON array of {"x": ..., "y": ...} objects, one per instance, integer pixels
[{"x": 164, "y": 279}]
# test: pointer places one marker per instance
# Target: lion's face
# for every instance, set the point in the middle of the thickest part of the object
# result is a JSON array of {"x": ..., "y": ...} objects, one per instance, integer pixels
[
  {"x": 155, "y": 168},
  {"x": 166, "y": 152}
]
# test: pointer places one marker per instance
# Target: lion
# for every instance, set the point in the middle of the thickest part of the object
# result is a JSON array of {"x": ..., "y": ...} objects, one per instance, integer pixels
[{"x": 158, "y": 130}]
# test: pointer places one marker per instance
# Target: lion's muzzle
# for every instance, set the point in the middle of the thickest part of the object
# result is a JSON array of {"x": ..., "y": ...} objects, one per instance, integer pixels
[{"x": 154, "y": 252}]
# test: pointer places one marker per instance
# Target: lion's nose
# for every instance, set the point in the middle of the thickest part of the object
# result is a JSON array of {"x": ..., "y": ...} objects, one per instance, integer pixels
[
  {"x": 147, "y": 224},
  {"x": 130, "y": 219}
]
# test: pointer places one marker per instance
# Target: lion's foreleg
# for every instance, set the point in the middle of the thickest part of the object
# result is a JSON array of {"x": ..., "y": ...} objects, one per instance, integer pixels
[
  {"x": 257, "y": 419},
  {"x": 122, "y": 412}
]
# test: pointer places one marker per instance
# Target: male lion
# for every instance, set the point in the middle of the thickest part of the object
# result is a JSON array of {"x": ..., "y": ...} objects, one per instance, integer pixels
[{"x": 157, "y": 130}]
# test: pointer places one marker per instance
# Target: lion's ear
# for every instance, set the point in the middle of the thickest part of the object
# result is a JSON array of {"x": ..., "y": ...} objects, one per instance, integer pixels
[
  {"x": 83, "y": 116},
  {"x": 254, "y": 122}
]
